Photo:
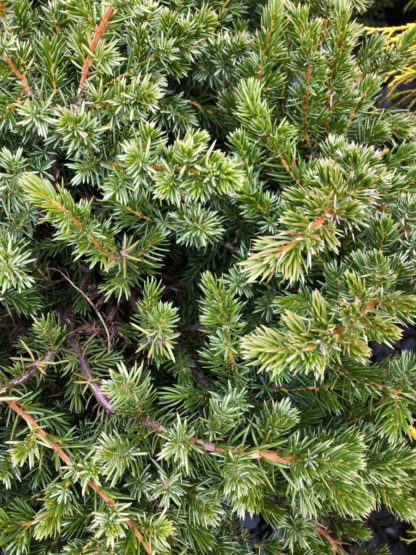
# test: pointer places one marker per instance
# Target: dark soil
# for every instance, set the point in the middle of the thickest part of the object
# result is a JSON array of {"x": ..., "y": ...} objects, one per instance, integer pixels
[
  {"x": 396, "y": 14},
  {"x": 387, "y": 530}
]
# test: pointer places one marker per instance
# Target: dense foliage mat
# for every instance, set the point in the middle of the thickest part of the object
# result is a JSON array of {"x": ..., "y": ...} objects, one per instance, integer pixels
[{"x": 205, "y": 222}]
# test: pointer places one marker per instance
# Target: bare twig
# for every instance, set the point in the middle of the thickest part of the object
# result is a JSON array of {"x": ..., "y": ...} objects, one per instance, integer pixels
[
  {"x": 87, "y": 373},
  {"x": 66, "y": 459},
  {"x": 193, "y": 327},
  {"x": 89, "y": 301},
  {"x": 200, "y": 378},
  {"x": 32, "y": 369}
]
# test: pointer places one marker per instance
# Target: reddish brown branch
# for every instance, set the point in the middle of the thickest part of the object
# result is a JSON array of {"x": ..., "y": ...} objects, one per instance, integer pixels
[
  {"x": 271, "y": 456},
  {"x": 335, "y": 544},
  {"x": 99, "y": 30},
  {"x": 137, "y": 213},
  {"x": 22, "y": 79},
  {"x": 39, "y": 431},
  {"x": 66, "y": 459}
]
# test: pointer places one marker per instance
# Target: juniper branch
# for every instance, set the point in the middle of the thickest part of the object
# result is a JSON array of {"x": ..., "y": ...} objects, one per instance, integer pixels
[
  {"x": 157, "y": 427},
  {"x": 67, "y": 460},
  {"x": 31, "y": 370}
]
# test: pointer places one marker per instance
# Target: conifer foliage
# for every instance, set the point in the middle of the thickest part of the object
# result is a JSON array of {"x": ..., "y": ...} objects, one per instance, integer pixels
[{"x": 205, "y": 222}]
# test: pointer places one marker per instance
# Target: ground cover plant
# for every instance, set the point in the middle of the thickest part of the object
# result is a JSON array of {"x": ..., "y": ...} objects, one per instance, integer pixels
[{"x": 205, "y": 222}]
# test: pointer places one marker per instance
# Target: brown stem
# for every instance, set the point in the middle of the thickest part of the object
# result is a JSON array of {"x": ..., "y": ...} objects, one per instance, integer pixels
[
  {"x": 193, "y": 327},
  {"x": 99, "y": 30},
  {"x": 137, "y": 213},
  {"x": 89, "y": 301},
  {"x": 39, "y": 431},
  {"x": 306, "y": 101},
  {"x": 200, "y": 378},
  {"x": 335, "y": 544},
  {"x": 31, "y": 369},
  {"x": 79, "y": 225},
  {"x": 273, "y": 456},
  {"x": 22, "y": 79},
  {"x": 199, "y": 106},
  {"x": 87, "y": 373},
  {"x": 66, "y": 459},
  {"x": 290, "y": 169},
  {"x": 224, "y": 7},
  {"x": 264, "y": 50}
]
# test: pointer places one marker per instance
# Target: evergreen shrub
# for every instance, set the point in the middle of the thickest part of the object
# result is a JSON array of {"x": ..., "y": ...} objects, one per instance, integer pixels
[{"x": 205, "y": 222}]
